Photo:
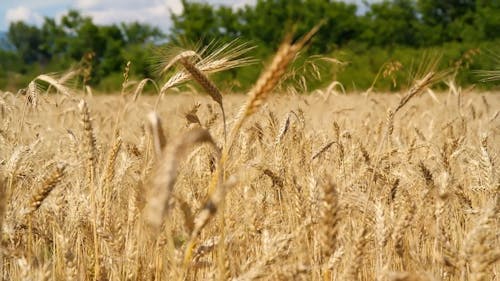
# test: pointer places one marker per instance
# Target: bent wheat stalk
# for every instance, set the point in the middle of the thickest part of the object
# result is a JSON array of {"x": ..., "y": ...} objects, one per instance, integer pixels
[
  {"x": 33, "y": 91},
  {"x": 165, "y": 174},
  {"x": 209, "y": 87},
  {"x": 225, "y": 57},
  {"x": 141, "y": 85}
]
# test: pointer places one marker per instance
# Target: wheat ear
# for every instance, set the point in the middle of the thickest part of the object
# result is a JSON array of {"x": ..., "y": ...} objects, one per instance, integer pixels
[
  {"x": 90, "y": 151},
  {"x": 165, "y": 174},
  {"x": 227, "y": 56},
  {"x": 58, "y": 84},
  {"x": 44, "y": 190},
  {"x": 89, "y": 143},
  {"x": 208, "y": 85},
  {"x": 157, "y": 133},
  {"x": 357, "y": 256},
  {"x": 109, "y": 171},
  {"x": 329, "y": 212}
]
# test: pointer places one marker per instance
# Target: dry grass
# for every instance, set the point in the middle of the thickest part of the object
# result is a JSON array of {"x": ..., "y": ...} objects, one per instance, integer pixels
[{"x": 309, "y": 188}]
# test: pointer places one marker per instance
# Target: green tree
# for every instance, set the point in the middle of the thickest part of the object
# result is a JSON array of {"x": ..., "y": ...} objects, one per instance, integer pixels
[
  {"x": 54, "y": 39},
  {"x": 140, "y": 40},
  {"x": 72, "y": 21},
  {"x": 228, "y": 22},
  {"x": 106, "y": 42},
  {"x": 268, "y": 21},
  {"x": 109, "y": 55},
  {"x": 27, "y": 40},
  {"x": 197, "y": 23},
  {"x": 445, "y": 19},
  {"x": 487, "y": 18},
  {"x": 138, "y": 33},
  {"x": 342, "y": 25},
  {"x": 444, "y": 12},
  {"x": 391, "y": 23},
  {"x": 83, "y": 35}
]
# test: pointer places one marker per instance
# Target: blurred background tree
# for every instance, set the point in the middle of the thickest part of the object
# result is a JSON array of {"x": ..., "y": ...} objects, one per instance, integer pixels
[{"x": 390, "y": 30}]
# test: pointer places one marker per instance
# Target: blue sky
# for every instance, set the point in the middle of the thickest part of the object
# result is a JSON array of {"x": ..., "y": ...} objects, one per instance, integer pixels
[{"x": 155, "y": 12}]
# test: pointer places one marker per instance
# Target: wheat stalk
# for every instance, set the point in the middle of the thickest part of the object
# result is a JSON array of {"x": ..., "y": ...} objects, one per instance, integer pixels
[
  {"x": 260, "y": 91},
  {"x": 155, "y": 126},
  {"x": 165, "y": 174},
  {"x": 140, "y": 87}
]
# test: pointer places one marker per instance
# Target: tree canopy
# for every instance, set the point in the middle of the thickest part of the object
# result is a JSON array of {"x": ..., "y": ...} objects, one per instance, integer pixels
[{"x": 387, "y": 26}]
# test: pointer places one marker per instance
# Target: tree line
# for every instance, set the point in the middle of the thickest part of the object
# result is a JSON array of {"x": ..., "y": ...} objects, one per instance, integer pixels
[
  {"x": 413, "y": 23},
  {"x": 464, "y": 30}
]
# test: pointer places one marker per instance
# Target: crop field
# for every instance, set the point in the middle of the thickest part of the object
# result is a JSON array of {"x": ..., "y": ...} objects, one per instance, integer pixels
[{"x": 264, "y": 186}]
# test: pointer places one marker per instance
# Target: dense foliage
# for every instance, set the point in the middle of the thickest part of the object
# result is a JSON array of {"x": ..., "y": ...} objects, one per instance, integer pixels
[{"x": 467, "y": 32}]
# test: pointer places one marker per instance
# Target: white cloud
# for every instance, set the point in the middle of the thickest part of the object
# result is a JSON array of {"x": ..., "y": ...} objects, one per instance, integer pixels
[
  {"x": 242, "y": 3},
  {"x": 154, "y": 12},
  {"x": 86, "y": 4},
  {"x": 174, "y": 5},
  {"x": 22, "y": 13},
  {"x": 107, "y": 16}
]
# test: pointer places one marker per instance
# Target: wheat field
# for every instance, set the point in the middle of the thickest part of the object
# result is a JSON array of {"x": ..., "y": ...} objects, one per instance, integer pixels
[{"x": 264, "y": 186}]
